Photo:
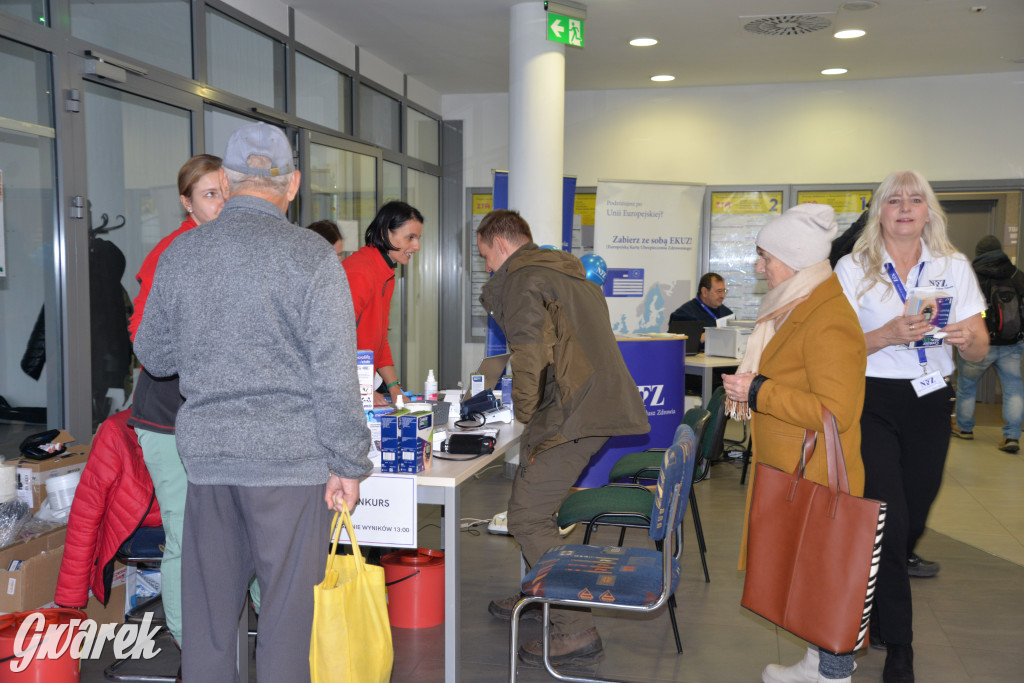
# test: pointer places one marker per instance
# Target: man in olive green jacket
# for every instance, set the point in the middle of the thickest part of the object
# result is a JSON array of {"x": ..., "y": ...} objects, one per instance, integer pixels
[{"x": 570, "y": 389}]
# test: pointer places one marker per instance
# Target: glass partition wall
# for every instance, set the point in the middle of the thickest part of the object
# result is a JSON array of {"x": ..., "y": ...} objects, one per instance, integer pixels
[
  {"x": 31, "y": 377},
  {"x": 134, "y": 148},
  {"x": 89, "y": 156}
]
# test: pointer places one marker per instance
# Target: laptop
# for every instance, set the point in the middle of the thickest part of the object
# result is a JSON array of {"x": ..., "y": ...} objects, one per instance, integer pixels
[
  {"x": 491, "y": 368},
  {"x": 693, "y": 329}
]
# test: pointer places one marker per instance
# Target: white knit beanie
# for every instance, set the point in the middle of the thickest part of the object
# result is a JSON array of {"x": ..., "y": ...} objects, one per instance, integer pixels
[{"x": 800, "y": 237}]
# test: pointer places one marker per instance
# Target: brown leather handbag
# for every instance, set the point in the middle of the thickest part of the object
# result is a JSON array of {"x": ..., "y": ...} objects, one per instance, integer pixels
[{"x": 813, "y": 550}]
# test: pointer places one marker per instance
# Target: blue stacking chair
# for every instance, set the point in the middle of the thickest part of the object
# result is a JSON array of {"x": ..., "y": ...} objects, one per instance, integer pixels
[
  {"x": 145, "y": 547},
  {"x": 629, "y": 579}
]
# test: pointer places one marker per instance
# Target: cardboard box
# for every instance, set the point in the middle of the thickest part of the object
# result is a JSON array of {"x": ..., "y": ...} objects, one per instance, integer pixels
[
  {"x": 364, "y": 372},
  {"x": 32, "y": 474},
  {"x": 34, "y": 582},
  {"x": 117, "y": 602},
  {"x": 111, "y": 613},
  {"x": 389, "y": 443},
  {"x": 416, "y": 441},
  {"x": 730, "y": 342}
]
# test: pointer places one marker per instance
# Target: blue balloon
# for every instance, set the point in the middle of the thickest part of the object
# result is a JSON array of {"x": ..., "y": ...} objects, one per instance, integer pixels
[
  {"x": 596, "y": 268},
  {"x": 548, "y": 246}
]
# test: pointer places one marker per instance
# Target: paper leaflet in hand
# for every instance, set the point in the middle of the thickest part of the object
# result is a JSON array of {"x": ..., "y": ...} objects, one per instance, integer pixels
[{"x": 936, "y": 304}]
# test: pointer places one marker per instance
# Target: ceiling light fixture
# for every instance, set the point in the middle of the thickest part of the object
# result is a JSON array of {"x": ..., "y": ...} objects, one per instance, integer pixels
[
  {"x": 663, "y": 78},
  {"x": 833, "y": 72},
  {"x": 859, "y": 5},
  {"x": 643, "y": 42},
  {"x": 849, "y": 33}
]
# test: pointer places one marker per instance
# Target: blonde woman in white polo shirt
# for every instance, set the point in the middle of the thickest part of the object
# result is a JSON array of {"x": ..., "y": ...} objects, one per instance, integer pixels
[{"x": 905, "y": 427}]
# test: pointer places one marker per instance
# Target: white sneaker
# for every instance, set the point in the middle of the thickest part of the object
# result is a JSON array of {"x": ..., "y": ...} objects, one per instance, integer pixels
[
  {"x": 804, "y": 671},
  {"x": 822, "y": 679}
]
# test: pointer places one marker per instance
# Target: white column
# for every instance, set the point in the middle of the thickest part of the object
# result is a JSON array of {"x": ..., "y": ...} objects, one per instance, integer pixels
[{"x": 536, "y": 122}]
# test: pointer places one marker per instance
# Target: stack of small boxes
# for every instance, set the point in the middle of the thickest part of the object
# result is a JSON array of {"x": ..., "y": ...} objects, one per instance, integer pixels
[{"x": 406, "y": 441}]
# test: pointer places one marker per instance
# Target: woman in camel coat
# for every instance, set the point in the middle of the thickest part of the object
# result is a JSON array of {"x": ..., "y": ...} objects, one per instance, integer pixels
[{"x": 807, "y": 351}]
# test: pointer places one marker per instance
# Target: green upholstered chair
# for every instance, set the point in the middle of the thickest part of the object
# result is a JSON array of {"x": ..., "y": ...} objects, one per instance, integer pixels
[
  {"x": 630, "y": 464},
  {"x": 710, "y": 450},
  {"x": 636, "y": 467},
  {"x": 619, "y": 578}
]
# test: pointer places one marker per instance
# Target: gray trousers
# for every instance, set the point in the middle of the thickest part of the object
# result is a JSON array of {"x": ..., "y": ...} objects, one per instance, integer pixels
[
  {"x": 281, "y": 533},
  {"x": 539, "y": 488}
]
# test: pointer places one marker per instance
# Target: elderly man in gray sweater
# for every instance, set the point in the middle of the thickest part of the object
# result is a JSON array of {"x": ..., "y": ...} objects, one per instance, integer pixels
[{"x": 255, "y": 316}]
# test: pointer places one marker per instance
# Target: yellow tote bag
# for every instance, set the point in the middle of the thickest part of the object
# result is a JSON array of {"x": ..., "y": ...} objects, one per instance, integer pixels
[{"x": 351, "y": 640}]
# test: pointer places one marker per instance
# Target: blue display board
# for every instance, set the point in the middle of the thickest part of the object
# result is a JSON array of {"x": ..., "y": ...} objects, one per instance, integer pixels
[{"x": 657, "y": 367}]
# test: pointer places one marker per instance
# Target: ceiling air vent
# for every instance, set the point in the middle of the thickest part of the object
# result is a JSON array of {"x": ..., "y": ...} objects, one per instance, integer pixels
[{"x": 786, "y": 24}]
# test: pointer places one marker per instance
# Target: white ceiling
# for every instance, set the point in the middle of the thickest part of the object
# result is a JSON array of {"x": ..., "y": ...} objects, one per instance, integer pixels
[{"x": 462, "y": 46}]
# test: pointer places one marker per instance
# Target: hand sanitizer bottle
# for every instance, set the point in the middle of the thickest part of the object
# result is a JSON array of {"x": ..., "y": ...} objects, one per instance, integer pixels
[{"x": 430, "y": 387}]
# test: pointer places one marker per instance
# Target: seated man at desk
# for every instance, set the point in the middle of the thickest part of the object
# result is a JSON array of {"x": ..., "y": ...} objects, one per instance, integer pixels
[
  {"x": 571, "y": 389},
  {"x": 708, "y": 305}
]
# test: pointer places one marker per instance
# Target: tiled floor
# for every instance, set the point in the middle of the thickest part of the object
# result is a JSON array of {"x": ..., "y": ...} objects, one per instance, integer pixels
[{"x": 969, "y": 621}]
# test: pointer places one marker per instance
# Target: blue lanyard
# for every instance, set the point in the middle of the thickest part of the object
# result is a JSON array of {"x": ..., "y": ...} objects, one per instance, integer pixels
[
  {"x": 902, "y": 292},
  {"x": 705, "y": 307}
]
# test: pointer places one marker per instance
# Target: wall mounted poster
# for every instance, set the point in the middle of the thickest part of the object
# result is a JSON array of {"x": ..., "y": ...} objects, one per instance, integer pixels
[
  {"x": 736, "y": 218},
  {"x": 848, "y": 204},
  {"x": 647, "y": 235},
  {"x": 480, "y": 206}
]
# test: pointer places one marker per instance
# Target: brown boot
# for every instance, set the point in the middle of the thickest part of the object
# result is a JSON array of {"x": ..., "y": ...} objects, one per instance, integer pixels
[
  {"x": 502, "y": 609},
  {"x": 580, "y": 648}
]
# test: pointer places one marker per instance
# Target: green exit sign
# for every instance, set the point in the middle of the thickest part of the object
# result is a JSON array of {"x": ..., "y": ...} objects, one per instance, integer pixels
[{"x": 563, "y": 29}]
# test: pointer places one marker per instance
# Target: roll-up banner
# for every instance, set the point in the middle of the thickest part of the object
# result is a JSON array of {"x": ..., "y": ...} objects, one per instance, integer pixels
[{"x": 647, "y": 235}]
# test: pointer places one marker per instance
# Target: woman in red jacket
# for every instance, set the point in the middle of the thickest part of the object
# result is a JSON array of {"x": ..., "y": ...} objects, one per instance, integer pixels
[
  {"x": 156, "y": 401},
  {"x": 392, "y": 238}
]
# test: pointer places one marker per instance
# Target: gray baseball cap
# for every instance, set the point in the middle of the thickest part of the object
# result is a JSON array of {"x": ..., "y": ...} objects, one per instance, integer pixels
[{"x": 261, "y": 139}]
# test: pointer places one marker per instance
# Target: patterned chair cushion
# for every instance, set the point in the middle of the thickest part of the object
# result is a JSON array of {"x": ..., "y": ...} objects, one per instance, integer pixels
[{"x": 602, "y": 575}]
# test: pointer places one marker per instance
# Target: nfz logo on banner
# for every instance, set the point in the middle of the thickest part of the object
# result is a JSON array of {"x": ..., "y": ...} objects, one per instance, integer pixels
[{"x": 652, "y": 394}]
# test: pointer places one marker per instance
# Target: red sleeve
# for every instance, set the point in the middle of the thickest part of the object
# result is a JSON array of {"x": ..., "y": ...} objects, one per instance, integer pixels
[{"x": 145, "y": 275}]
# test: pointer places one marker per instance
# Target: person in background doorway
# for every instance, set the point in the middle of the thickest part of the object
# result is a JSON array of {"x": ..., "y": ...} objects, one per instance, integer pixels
[
  {"x": 329, "y": 231},
  {"x": 255, "y": 316},
  {"x": 843, "y": 245},
  {"x": 806, "y": 352},
  {"x": 391, "y": 240},
  {"x": 572, "y": 391},
  {"x": 998, "y": 278},
  {"x": 157, "y": 400},
  {"x": 905, "y": 428}
]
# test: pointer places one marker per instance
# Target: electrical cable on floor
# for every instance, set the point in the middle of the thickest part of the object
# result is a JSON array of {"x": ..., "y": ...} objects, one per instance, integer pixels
[{"x": 468, "y": 523}]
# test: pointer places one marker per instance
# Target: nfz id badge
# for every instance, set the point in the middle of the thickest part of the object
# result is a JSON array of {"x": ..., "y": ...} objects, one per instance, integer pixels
[{"x": 926, "y": 384}]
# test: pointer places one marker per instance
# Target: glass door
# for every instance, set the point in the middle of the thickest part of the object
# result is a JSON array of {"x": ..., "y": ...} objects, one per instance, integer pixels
[
  {"x": 134, "y": 148},
  {"x": 341, "y": 180},
  {"x": 422, "y": 296},
  {"x": 31, "y": 369}
]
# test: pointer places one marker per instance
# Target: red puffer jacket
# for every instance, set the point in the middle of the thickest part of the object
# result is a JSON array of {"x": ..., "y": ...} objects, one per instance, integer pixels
[{"x": 113, "y": 499}]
